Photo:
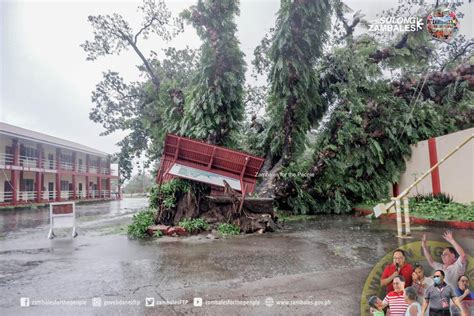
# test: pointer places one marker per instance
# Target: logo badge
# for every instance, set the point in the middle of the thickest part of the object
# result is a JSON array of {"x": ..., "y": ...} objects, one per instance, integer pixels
[
  {"x": 442, "y": 24},
  {"x": 24, "y": 301},
  {"x": 150, "y": 301},
  {"x": 198, "y": 301},
  {"x": 96, "y": 302}
]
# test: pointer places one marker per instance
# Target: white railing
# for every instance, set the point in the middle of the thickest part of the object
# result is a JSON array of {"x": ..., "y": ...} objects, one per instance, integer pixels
[
  {"x": 27, "y": 195},
  {"x": 66, "y": 165},
  {"x": 104, "y": 170},
  {"x": 66, "y": 194},
  {"x": 105, "y": 193},
  {"x": 94, "y": 193},
  {"x": 26, "y": 161},
  {"x": 80, "y": 194},
  {"x": 48, "y": 164},
  {"x": 6, "y": 159},
  {"x": 6, "y": 196},
  {"x": 93, "y": 169},
  {"x": 49, "y": 195},
  {"x": 81, "y": 168}
]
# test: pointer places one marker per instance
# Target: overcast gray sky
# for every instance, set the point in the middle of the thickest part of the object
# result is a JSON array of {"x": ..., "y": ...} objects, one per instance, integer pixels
[{"x": 46, "y": 83}]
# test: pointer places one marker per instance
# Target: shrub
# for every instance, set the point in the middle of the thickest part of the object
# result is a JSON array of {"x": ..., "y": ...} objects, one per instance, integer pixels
[
  {"x": 441, "y": 197},
  {"x": 194, "y": 225},
  {"x": 166, "y": 194},
  {"x": 228, "y": 229},
  {"x": 436, "y": 210},
  {"x": 140, "y": 223}
]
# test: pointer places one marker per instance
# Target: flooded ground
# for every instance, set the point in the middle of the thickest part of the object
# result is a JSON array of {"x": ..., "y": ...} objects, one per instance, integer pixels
[{"x": 309, "y": 268}]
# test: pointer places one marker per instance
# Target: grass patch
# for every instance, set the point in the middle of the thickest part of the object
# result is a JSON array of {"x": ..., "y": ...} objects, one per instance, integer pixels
[
  {"x": 437, "y": 210},
  {"x": 287, "y": 218},
  {"x": 194, "y": 225},
  {"x": 440, "y": 208},
  {"x": 228, "y": 229}
]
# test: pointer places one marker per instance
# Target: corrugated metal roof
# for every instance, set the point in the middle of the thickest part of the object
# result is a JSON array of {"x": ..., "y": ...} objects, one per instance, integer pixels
[{"x": 23, "y": 133}]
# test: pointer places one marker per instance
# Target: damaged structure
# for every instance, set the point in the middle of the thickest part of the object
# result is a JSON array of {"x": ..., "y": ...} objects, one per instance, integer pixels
[{"x": 230, "y": 178}]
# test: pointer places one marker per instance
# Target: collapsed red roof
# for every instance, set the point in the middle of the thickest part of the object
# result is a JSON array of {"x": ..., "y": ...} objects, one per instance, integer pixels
[{"x": 196, "y": 160}]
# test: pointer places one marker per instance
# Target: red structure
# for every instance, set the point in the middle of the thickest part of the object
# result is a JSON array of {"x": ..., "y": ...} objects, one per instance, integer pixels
[
  {"x": 196, "y": 160},
  {"x": 38, "y": 168}
]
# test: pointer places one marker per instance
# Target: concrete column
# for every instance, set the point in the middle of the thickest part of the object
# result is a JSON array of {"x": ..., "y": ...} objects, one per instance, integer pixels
[
  {"x": 87, "y": 164},
  {"x": 87, "y": 187},
  {"x": 39, "y": 174},
  {"x": 99, "y": 185},
  {"x": 14, "y": 173},
  {"x": 74, "y": 195},
  {"x": 108, "y": 187},
  {"x": 58, "y": 174}
]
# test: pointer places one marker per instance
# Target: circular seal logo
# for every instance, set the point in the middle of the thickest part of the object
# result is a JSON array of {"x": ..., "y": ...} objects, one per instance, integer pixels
[
  {"x": 414, "y": 254},
  {"x": 442, "y": 24}
]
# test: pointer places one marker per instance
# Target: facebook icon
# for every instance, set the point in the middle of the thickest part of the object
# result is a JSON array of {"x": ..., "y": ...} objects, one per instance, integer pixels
[{"x": 24, "y": 301}]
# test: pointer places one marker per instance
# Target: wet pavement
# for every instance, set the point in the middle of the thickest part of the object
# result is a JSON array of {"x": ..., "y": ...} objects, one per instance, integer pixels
[{"x": 312, "y": 268}]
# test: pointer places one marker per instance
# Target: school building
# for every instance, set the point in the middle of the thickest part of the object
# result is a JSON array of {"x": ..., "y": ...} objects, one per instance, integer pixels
[{"x": 38, "y": 168}]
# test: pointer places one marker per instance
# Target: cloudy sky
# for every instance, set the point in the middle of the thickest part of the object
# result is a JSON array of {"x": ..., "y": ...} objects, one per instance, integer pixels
[{"x": 46, "y": 83}]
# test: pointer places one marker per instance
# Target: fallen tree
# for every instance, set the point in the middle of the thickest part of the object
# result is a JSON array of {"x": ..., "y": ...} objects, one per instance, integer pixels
[{"x": 180, "y": 199}]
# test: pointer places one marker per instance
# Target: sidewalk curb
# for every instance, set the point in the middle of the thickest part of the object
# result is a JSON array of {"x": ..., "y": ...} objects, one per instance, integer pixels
[{"x": 419, "y": 221}]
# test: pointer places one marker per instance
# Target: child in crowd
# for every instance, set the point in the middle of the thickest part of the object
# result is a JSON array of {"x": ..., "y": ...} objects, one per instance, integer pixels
[{"x": 376, "y": 306}]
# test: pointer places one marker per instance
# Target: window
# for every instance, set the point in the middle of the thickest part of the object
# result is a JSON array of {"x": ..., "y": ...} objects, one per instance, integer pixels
[
  {"x": 27, "y": 185},
  {"x": 28, "y": 152},
  {"x": 64, "y": 185}
]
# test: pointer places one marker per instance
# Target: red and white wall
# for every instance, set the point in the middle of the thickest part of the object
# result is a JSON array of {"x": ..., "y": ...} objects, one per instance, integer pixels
[{"x": 455, "y": 176}]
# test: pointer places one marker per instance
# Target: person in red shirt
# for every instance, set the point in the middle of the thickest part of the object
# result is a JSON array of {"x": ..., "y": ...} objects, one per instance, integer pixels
[{"x": 398, "y": 267}]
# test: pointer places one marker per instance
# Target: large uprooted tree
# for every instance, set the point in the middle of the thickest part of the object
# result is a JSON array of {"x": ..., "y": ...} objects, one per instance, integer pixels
[{"x": 337, "y": 127}]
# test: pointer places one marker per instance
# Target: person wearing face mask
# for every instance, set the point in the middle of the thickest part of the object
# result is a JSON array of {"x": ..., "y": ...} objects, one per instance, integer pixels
[
  {"x": 439, "y": 296},
  {"x": 398, "y": 267},
  {"x": 454, "y": 259}
]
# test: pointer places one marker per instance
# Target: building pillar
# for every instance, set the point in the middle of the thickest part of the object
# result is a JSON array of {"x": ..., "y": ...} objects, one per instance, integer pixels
[
  {"x": 74, "y": 162},
  {"x": 39, "y": 165},
  {"x": 58, "y": 174},
  {"x": 14, "y": 173},
  {"x": 58, "y": 186},
  {"x": 87, "y": 187},
  {"x": 39, "y": 161},
  {"x": 108, "y": 167},
  {"x": 22, "y": 188},
  {"x": 74, "y": 195},
  {"x": 99, "y": 185},
  {"x": 16, "y": 152},
  {"x": 108, "y": 187},
  {"x": 87, "y": 164},
  {"x": 14, "y": 184},
  {"x": 38, "y": 186},
  {"x": 99, "y": 180}
]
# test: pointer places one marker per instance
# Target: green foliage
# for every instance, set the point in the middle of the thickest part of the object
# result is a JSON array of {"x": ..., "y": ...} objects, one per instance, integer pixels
[
  {"x": 214, "y": 107},
  {"x": 158, "y": 234},
  {"x": 361, "y": 149},
  {"x": 437, "y": 210},
  {"x": 441, "y": 197},
  {"x": 194, "y": 225},
  {"x": 228, "y": 229},
  {"x": 168, "y": 193},
  {"x": 140, "y": 222},
  {"x": 294, "y": 103}
]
